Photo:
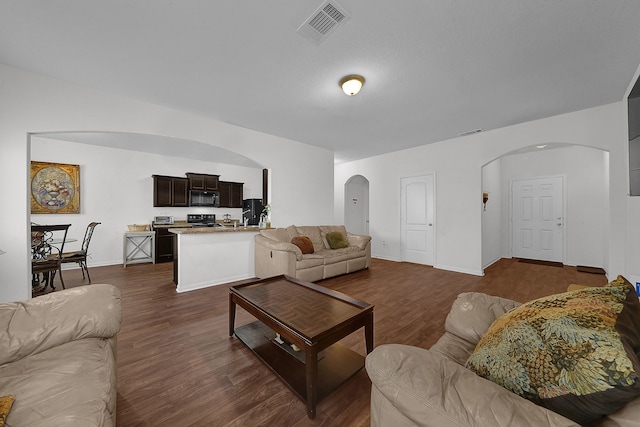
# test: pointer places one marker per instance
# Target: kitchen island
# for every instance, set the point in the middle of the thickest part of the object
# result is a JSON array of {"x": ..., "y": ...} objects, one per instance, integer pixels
[{"x": 208, "y": 256}]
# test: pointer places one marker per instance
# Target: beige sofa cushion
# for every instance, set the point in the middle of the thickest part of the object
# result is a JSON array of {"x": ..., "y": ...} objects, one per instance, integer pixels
[
  {"x": 73, "y": 384},
  {"x": 313, "y": 233},
  {"x": 332, "y": 256},
  {"x": 277, "y": 234},
  {"x": 472, "y": 313},
  {"x": 25, "y": 330},
  {"x": 430, "y": 390}
]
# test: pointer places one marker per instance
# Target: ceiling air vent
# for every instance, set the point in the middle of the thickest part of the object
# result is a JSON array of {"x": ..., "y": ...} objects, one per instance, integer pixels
[{"x": 325, "y": 20}]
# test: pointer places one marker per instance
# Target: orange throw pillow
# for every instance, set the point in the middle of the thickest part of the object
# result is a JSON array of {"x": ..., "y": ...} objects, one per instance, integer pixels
[{"x": 304, "y": 243}]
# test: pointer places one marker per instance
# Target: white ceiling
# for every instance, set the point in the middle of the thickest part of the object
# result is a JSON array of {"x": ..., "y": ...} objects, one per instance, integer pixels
[{"x": 433, "y": 69}]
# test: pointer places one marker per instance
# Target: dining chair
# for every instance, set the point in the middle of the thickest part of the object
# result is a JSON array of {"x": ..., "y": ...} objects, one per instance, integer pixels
[
  {"x": 80, "y": 257},
  {"x": 46, "y": 255}
]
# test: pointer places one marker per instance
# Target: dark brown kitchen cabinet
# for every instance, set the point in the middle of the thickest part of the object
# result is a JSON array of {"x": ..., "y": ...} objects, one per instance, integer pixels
[
  {"x": 164, "y": 244},
  {"x": 199, "y": 181},
  {"x": 170, "y": 191},
  {"x": 180, "y": 192},
  {"x": 230, "y": 194}
]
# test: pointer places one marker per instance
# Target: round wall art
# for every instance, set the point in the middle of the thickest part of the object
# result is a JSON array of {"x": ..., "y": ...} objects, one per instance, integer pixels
[{"x": 55, "y": 188}]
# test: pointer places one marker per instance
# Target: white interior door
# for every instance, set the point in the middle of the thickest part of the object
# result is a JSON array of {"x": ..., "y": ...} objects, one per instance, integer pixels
[
  {"x": 356, "y": 205},
  {"x": 416, "y": 200},
  {"x": 537, "y": 219}
]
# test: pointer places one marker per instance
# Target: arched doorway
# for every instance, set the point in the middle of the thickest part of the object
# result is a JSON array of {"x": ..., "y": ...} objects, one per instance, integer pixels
[
  {"x": 585, "y": 175},
  {"x": 356, "y": 205}
]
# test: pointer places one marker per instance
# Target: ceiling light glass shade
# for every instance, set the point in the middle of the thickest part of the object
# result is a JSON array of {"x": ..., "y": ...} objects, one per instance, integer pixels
[{"x": 351, "y": 84}]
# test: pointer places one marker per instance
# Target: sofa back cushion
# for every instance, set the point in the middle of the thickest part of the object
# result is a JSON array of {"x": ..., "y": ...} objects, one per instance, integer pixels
[
  {"x": 473, "y": 312},
  {"x": 277, "y": 234},
  {"x": 313, "y": 233},
  {"x": 35, "y": 325}
]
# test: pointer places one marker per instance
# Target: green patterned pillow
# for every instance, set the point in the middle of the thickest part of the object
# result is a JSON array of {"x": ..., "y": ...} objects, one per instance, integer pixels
[{"x": 574, "y": 353}]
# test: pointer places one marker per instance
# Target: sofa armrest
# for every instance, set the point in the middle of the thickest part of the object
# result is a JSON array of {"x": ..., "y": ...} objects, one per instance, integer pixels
[
  {"x": 358, "y": 240},
  {"x": 431, "y": 390},
  {"x": 278, "y": 246},
  {"x": 32, "y": 326},
  {"x": 472, "y": 313}
]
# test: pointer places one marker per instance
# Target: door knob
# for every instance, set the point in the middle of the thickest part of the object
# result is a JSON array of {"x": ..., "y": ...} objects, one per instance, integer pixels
[{"x": 430, "y": 224}]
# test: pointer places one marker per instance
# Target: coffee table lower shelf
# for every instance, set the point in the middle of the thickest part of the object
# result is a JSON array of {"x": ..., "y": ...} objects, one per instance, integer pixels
[{"x": 336, "y": 364}]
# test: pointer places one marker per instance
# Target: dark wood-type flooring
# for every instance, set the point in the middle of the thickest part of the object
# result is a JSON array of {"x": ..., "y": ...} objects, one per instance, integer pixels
[{"x": 177, "y": 366}]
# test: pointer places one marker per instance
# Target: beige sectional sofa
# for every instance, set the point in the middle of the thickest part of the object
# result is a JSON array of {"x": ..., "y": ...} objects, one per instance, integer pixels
[
  {"x": 413, "y": 386},
  {"x": 58, "y": 357},
  {"x": 275, "y": 254}
]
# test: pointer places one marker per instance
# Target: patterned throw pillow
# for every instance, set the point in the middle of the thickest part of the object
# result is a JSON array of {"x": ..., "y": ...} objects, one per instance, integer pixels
[
  {"x": 304, "y": 243},
  {"x": 5, "y": 406},
  {"x": 336, "y": 240},
  {"x": 574, "y": 353}
]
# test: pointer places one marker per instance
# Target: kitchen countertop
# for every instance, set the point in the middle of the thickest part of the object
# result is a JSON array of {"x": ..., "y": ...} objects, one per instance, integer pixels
[
  {"x": 176, "y": 224},
  {"x": 208, "y": 230}
]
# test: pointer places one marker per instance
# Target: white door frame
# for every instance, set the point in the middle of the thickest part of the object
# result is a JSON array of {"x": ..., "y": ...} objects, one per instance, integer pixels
[
  {"x": 564, "y": 212},
  {"x": 431, "y": 221}
]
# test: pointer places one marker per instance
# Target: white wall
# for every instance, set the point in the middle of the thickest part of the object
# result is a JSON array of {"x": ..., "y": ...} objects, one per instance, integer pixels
[
  {"x": 301, "y": 175},
  {"x": 586, "y": 190},
  {"x": 457, "y": 164},
  {"x": 492, "y": 218},
  {"x": 117, "y": 190}
]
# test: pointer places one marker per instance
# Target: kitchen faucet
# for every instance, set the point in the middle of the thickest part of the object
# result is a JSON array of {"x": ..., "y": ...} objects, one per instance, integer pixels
[{"x": 246, "y": 220}]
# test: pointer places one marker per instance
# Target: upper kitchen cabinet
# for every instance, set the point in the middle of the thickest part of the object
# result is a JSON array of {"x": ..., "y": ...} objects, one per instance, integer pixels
[
  {"x": 170, "y": 191},
  {"x": 199, "y": 181},
  {"x": 230, "y": 194}
]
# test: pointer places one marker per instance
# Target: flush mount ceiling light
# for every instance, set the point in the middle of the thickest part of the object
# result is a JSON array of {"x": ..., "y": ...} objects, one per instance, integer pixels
[
  {"x": 351, "y": 84},
  {"x": 541, "y": 146}
]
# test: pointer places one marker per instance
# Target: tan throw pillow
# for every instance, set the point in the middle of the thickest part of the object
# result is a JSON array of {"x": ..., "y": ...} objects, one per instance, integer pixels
[
  {"x": 336, "y": 240},
  {"x": 304, "y": 243},
  {"x": 574, "y": 353},
  {"x": 5, "y": 406}
]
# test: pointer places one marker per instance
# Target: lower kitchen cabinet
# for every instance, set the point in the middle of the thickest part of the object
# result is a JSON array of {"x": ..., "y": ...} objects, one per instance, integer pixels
[{"x": 164, "y": 245}]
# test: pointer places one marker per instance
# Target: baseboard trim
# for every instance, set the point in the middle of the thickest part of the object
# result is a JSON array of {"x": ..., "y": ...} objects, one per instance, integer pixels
[
  {"x": 492, "y": 262},
  {"x": 385, "y": 258},
  {"x": 459, "y": 270}
]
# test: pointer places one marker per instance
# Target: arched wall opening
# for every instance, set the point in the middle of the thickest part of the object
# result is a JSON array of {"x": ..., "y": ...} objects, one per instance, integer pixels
[
  {"x": 116, "y": 187},
  {"x": 585, "y": 174}
]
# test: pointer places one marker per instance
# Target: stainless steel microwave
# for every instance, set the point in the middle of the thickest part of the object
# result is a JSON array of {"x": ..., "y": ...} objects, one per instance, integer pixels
[{"x": 204, "y": 198}]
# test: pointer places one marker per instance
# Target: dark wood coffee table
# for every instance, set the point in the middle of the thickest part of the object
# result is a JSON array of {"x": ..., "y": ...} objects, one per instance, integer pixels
[{"x": 313, "y": 318}]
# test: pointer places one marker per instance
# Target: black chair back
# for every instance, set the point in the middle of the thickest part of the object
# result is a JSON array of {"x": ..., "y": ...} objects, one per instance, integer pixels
[
  {"x": 87, "y": 236},
  {"x": 47, "y": 254}
]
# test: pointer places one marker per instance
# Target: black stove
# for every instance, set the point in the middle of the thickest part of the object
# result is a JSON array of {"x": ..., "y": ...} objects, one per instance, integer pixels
[{"x": 201, "y": 220}]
